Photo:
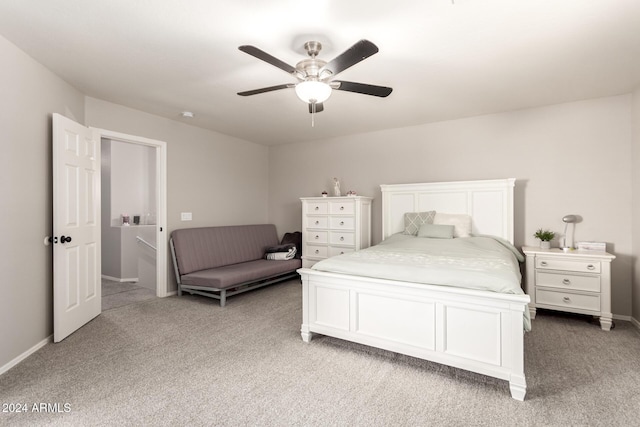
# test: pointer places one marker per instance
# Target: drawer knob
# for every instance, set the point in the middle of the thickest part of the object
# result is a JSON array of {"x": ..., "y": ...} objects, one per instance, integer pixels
[
  {"x": 317, "y": 222},
  {"x": 317, "y": 251},
  {"x": 317, "y": 237},
  {"x": 317, "y": 208},
  {"x": 566, "y": 299},
  {"x": 341, "y": 252},
  {"x": 342, "y": 238},
  {"x": 543, "y": 263},
  {"x": 341, "y": 222},
  {"x": 341, "y": 208},
  {"x": 591, "y": 267},
  {"x": 566, "y": 282}
]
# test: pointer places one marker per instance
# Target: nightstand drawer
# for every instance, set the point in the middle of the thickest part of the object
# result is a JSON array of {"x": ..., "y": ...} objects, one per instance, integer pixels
[
  {"x": 567, "y": 301},
  {"x": 568, "y": 265},
  {"x": 315, "y": 251},
  {"x": 317, "y": 222},
  {"x": 568, "y": 281},
  {"x": 317, "y": 237}
]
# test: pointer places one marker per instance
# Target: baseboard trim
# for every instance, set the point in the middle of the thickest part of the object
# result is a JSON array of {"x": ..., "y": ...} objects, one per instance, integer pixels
[
  {"x": 170, "y": 294},
  {"x": 635, "y": 323},
  {"x": 118, "y": 279},
  {"x": 622, "y": 317},
  {"x": 26, "y": 354}
]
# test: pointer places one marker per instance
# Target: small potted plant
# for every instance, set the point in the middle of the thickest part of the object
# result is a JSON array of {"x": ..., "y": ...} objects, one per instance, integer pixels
[{"x": 545, "y": 237}]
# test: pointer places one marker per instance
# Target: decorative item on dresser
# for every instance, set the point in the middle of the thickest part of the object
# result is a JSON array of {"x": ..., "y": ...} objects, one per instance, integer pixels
[
  {"x": 545, "y": 237},
  {"x": 333, "y": 226},
  {"x": 575, "y": 281}
]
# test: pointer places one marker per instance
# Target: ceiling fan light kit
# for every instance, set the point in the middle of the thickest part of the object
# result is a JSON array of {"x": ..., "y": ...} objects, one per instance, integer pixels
[
  {"x": 313, "y": 92},
  {"x": 315, "y": 77}
]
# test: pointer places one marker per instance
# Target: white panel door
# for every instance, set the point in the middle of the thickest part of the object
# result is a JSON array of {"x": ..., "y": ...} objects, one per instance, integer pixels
[{"x": 76, "y": 226}]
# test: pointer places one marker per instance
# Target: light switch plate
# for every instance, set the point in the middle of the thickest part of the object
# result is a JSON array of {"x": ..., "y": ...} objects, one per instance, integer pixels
[{"x": 186, "y": 216}]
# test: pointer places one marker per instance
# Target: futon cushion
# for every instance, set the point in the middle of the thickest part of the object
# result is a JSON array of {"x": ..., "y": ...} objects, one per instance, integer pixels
[{"x": 236, "y": 274}]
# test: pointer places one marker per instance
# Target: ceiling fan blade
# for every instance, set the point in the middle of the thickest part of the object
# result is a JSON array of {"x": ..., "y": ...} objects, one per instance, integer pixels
[
  {"x": 366, "y": 89},
  {"x": 265, "y": 89},
  {"x": 260, "y": 54},
  {"x": 319, "y": 107},
  {"x": 356, "y": 53}
]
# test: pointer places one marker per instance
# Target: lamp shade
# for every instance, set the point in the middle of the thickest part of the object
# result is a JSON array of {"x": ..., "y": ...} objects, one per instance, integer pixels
[{"x": 313, "y": 91}]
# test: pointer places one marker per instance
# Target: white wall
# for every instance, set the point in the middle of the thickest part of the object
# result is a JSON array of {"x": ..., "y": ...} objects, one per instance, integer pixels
[
  {"x": 635, "y": 166},
  {"x": 30, "y": 93},
  {"x": 568, "y": 159},
  {"x": 221, "y": 180}
]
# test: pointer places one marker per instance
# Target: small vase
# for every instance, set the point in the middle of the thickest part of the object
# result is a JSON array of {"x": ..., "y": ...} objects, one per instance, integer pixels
[{"x": 545, "y": 244}]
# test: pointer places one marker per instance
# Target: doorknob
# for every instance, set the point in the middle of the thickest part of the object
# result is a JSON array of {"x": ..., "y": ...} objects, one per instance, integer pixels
[{"x": 64, "y": 239}]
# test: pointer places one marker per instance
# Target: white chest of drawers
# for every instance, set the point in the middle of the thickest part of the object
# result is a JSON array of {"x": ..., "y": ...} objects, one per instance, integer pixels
[
  {"x": 333, "y": 226},
  {"x": 575, "y": 281}
]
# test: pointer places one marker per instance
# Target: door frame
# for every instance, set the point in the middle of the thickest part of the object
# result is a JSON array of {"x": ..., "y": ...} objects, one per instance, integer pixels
[{"x": 161, "y": 216}]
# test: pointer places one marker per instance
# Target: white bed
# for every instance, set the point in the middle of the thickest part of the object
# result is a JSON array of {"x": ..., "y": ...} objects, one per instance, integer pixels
[{"x": 476, "y": 330}]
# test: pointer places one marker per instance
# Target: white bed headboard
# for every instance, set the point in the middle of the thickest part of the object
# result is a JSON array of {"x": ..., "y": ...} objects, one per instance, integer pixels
[{"x": 489, "y": 202}]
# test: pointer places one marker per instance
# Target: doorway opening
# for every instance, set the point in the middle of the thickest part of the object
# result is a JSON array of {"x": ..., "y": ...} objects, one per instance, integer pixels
[{"x": 132, "y": 194}]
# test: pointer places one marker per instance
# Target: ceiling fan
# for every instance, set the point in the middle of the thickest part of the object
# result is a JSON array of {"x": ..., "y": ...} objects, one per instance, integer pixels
[{"x": 315, "y": 76}]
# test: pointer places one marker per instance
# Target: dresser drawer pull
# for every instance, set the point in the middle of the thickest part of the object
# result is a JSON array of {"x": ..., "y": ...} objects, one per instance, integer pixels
[
  {"x": 341, "y": 252},
  {"x": 566, "y": 282},
  {"x": 317, "y": 208},
  {"x": 342, "y": 238},
  {"x": 543, "y": 263},
  {"x": 317, "y": 222},
  {"x": 591, "y": 267},
  {"x": 317, "y": 251},
  {"x": 566, "y": 299},
  {"x": 317, "y": 237},
  {"x": 341, "y": 222},
  {"x": 341, "y": 208}
]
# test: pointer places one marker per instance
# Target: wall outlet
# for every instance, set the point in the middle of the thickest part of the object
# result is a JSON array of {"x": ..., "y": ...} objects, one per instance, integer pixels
[{"x": 185, "y": 216}]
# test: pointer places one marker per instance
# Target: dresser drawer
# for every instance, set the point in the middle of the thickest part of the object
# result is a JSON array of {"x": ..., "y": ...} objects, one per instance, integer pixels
[
  {"x": 342, "y": 238},
  {"x": 343, "y": 207},
  {"x": 317, "y": 208},
  {"x": 568, "y": 265},
  {"x": 568, "y": 281},
  {"x": 317, "y": 236},
  {"x": 567, "y": 301},
  {"x": 317, "y": 222},
  {"x": 333, "y": 251},
  {"x": 342, "y": 223},
  {"x": 315, "y": 251}
]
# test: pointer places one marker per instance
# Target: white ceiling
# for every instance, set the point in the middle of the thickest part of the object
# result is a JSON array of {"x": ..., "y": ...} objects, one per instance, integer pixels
[{"x": 444, "y": 59}]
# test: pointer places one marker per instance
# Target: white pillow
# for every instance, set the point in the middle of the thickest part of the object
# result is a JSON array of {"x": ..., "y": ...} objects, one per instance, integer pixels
[{"x": 461, "y": 223}]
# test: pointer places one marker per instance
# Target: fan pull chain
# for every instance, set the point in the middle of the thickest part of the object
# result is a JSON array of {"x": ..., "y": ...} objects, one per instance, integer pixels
[{"x": 313, "y": 113}]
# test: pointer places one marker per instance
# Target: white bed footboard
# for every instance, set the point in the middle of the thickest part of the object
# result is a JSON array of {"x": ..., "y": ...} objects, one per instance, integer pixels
[{"x": 474, "y": 330}]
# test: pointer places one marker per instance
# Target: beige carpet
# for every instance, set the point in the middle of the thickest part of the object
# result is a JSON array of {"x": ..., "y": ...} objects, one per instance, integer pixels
[
  {"x": 118, "y": 294},
  {"x": 186, "y": 361}
]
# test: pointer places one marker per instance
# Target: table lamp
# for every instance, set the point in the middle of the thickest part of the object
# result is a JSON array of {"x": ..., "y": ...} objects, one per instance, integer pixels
[{"x": 569, "y": 219}]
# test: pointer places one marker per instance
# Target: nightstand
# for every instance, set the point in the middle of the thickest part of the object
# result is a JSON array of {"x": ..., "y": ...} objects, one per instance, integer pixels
[{"x": 573, "y": 281}]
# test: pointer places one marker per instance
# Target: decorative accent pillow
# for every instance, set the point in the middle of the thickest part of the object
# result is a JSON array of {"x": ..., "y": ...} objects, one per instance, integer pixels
[
  {"x": 460, "y": 222},
  {"x": 436, "y": 231},
  {"x": 413, "y": 221}
]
